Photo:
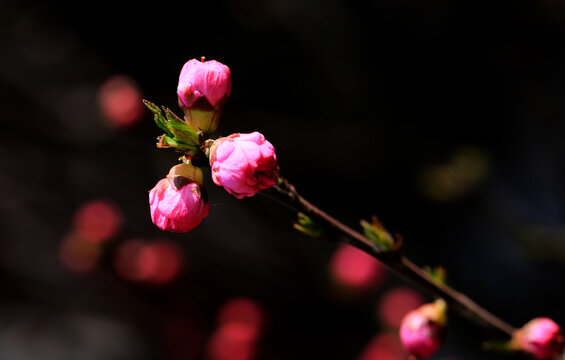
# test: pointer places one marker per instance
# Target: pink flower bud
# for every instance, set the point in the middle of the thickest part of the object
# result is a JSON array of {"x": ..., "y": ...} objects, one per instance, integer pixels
[
  {"x": 204, "y": 87},
  {"x": 540, "y": 337},
  {"x": 423, "y": 330},
  {"x": 243, "y": 164},
  {"x": 179, "y": 203}
]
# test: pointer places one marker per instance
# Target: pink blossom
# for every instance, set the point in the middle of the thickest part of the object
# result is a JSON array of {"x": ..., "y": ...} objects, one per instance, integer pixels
[
  {"x": 423, "y": 330},
  {"x": 244, "y": 164},
  {"x": 540, "y": 337},
  {"x": 177, "y": 203},
  {"x": 208, "y": 79},
  {"x": 204, "y": 87}
]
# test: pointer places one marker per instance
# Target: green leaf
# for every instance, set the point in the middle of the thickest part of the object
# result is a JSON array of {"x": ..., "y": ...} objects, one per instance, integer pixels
[
  {"x": 172, "y": 117},
  {"x": 377, "y": 233},
  {"x": 154, "y": 108},
  {"x": 165, "y": 141},
  {"x": 438, "y": 274},
  {"x": 178, "y": 134},
  {"x": 178, "y": 124},
  {"x": 305, "y": 225},
  {"x": 159, "y": 119}
]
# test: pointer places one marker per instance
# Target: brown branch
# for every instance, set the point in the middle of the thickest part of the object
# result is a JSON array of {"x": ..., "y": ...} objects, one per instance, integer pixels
[{"x": 286, "y": 194}]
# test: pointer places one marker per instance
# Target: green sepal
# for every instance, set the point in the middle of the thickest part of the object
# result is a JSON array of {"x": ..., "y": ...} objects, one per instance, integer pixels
[
  {"x": 178, "y": 134},
  {"x": 164, "y": 141},
  {"x": 180, "y": 126},
  {"x": 377, "y": 233},
  {"x": 307, "y": 226},
  {"x": 158, "y": 117},
  {"x": 438, "y": 274}
]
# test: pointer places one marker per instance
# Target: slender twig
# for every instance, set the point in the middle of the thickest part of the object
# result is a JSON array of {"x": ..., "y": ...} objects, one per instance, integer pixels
[{"x": 286, "y": 194}]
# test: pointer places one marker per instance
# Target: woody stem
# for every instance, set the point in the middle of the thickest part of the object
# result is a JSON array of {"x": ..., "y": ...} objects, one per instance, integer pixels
[{"x": 286, "y": 194}]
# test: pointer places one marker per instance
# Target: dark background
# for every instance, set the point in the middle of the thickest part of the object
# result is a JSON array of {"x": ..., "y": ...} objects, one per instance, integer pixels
[{"x": 371, "y": 106}]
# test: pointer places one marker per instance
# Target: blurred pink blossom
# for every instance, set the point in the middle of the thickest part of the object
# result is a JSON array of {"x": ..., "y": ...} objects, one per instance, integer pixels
[
  {"x": 383, "y": 346},
  {"x": 243, "y": 311},
  {"x": 422, "y": 331},
  {"x": 120, "y": 101},
  {"x": 355, "y": 269},
  {"x": 232, "y": 341},
  {"x": 156, "y": 263},
  {"x": 540, "y": 337},
  {"x": 98, "y": 220},
  {"x": 396, "y": 303}
]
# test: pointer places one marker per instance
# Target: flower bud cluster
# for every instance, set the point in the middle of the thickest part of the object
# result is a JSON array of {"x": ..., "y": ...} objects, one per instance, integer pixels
[{"x": 243, "y": 164}]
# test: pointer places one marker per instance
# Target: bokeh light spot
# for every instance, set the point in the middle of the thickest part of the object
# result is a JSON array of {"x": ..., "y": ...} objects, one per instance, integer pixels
[
  {"x": 126, "y": 257},
  {"x": 232, "y": 341},
  {"x": 242, "y": 311},
  {"x": 159, "y": 262},
  {"x": 383, "y": 347},
  {"x": 98, "y": 220},
  {"x": 467, "y": 169},
  {"x": 120, "y": 101},
  {"x": 156, "y": 263},
  {"x": 396, "y": 303},
  {"x": 356, "y": 269},
  {"x": 78, "y": 255}
]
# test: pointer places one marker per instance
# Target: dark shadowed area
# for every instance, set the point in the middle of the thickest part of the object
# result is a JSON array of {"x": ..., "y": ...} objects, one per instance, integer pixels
[{"x": 446, "y": 119}]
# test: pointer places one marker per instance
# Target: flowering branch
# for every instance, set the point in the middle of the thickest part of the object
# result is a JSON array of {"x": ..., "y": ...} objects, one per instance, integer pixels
[
  {"x": 246, "y": 164},
  {"x": 286, "y": 194}
]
